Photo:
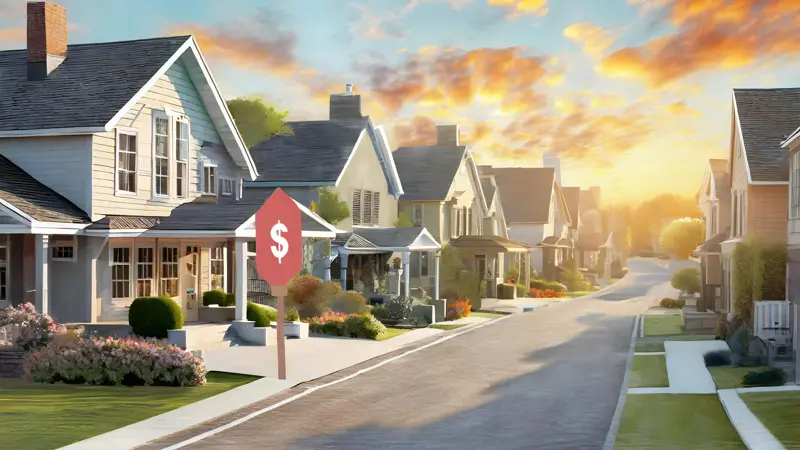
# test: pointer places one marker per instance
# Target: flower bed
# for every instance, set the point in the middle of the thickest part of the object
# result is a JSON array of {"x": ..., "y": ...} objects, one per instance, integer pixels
[
  {"x": 129, "y": 362},
  {"x": 459, "y": 309},
  {"x": 363, "y": 325},
  {"x": 35, "y": 329},
  {"x": 545, "y": 293}
]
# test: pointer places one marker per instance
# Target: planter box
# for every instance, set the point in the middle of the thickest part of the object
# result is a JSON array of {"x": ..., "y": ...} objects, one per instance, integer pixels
[
  {"x": 426, "y": 312},
  {"x": 439, "y": 310},
  {"x": 216, "y": 314},
  {"x": 297, "y": 330}
]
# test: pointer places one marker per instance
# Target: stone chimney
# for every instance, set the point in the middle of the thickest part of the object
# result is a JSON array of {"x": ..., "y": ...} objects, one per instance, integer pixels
[
  {"x": 47, "y": 38},
  {"x": 551, "y": 160},
  {"x": 448, "y": 135},
  {"x": 595, "y": 190},
  {"x": 346, "y": 106}
]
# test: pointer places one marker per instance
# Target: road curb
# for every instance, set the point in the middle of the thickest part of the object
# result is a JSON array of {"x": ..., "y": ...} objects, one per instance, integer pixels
[{"x": 613, "y": 429}]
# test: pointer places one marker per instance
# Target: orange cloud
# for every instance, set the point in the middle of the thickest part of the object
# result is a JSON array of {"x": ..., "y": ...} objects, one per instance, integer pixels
[
  {"x": 712, "y": 34},
  {"x": 594, "y": 39},
  {"x": 17, "y": 34},
  {"x": 681, "y": 109},
  {"x": 519, "y": 7},
  {"x": 421, "y": 130},
  {"x": 607, "y": 101}
]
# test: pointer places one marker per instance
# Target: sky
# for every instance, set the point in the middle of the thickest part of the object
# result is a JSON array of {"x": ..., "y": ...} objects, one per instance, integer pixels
[{"x": 633, "y": 95}]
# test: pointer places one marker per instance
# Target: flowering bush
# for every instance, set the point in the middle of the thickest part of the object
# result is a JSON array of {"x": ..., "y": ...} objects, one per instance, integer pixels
[
  {"x": 110, "y": 361},
  {"x": 459, "y": 309},
  {"x": 545, "y": 293},
  {"x": 35, "y": 329},
  {"x": 362, "y": 325}
]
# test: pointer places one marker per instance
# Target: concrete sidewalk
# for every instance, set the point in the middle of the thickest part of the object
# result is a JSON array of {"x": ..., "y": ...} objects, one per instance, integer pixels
[
  {"x": 753, "y": 433},
  {"x": 686, "y": 368}
]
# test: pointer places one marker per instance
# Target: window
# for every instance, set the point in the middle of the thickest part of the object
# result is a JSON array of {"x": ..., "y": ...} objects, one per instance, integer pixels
[
  {"x": 144, "y": 271},
  {"x": 795, "y": 192},
  {"x": 735, "y": 228},
  {"x": 453, "y": 220},
  {"x": 126, "y": 161},
  {"x": 424, "y": 263},
  {"x": 228, "y": 186},
  {"x": 217, "y": 263},
  {"x": 181, "y": 157},
  {"x": 376, "y": 208},
  {"x": 355, "y": 211},
  {"x": 120, "y": 273},
  {"x": 62, "y": 249},
  {"x": 160, "y": 155},
  {"x": 210, "y": 179},
  {"x": 169, "y": 271},
  {"x": 367, "y": 203},
  {"x": 4, "y": 278},
  {"x": 416, "y": 215}
]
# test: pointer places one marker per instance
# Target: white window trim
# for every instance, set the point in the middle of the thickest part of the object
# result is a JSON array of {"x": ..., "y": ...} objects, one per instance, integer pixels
[
  {"x": 60, "y": 242},
  {"x": 130, "y": 265},
  {"x": 117, "y": 190},
  {"x": 5, "y": 242},
  {"x": 223, "y": 181},
  {"x": 158, "y": 114},
  {"x": 208, "y": 165},
  {"x": 135, "y": 272},
  {"x": 224, "y": 265},
  {"x": 178, "y": 119}
]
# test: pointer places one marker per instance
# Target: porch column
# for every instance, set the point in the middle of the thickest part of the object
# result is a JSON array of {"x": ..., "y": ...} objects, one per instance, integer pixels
[
  {"x": 407, "y": 274},
  {"x": 327, "y": 263},
  {"x": 436, "y": 275},
  {"x": 42, "y": 248},
  {"x": 528, "y": 272},
  {"x": 240, "y": 253},
  {"x": 343, "y": 270},
  {"x": 229, "y": 266}
]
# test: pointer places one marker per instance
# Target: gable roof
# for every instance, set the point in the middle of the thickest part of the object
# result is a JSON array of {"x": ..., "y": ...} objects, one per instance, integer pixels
[
  {"x": 368, "y": 239},
  {"x": 23, "y": 193},
  {"x": 765, "y": 117},
  {"x": 489, "y": 188},
  {"x": 719, "y": 172},
  {"x": 572, "y": 198},
  {"x": 534, "y": 184},
  {"x": 98, "y": 83},
  {"x": 428, "y": 172}
]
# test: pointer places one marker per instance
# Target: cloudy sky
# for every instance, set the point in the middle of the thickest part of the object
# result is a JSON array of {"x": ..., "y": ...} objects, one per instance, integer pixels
[{"x": 635, "y": 95}]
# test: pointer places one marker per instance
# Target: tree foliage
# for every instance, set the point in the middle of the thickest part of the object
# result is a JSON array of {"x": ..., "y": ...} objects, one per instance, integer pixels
[
  {"x": 681, "y": 236},
  {"x": 687, "y": 280},
  {"x": 649, "y": 217},
  {"x": 403, "y": 221},
  {"x": 330, "y": 207},
  {"x": 759, "y": 273},
  {"x": 256, "y": 120}
]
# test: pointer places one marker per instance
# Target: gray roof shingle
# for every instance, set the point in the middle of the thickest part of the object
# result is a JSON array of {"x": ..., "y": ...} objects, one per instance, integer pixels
[
  {"x": 766, "y": 116},
  {"x": 529, "y": 190},
  {"x": 314, "y": 151},
  {"x": 379, "y": 237},
  {"x": 92, "y": 84},
  {"x": 427, "y": 173},
  {"x": 714, "y": 245},
  {"x": 35, "y": 199}
]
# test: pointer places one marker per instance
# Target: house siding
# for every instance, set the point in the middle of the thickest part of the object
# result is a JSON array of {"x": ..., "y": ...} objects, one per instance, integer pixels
[
  {"x": 767, "y": 212},
  {"x": 364, "y": 171},
  {"x": 62, "y": 163},
  {"x": 432, "y": 218},
  {"x": 175, "y": 91},
  {"x": 68, "y": 292},
  {"x": 531, "y": 234}
]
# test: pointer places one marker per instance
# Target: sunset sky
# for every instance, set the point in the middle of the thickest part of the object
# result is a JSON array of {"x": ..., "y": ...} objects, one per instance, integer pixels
[{"x": 635, "y": 95}]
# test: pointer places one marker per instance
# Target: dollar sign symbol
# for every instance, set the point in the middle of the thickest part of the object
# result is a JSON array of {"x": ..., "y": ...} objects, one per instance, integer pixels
[{"x": 283, "y": 245}]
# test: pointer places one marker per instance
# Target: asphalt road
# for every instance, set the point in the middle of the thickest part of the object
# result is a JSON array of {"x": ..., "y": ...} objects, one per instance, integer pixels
[{"x": 548, "y": 379}]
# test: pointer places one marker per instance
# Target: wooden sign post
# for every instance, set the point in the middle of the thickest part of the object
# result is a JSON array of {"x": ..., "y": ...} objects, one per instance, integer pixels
[{"x": 279, "y": 255}]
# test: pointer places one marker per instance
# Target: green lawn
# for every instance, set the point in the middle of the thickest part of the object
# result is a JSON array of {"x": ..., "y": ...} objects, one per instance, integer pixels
[
  {"x": 446, "y": 327},
  {"x": 652, "y": 346},
  {"x": 662, "y": 324},
  {"x": 47, "y": 416},
  {"x": 675, "y": 421},
  {"x": 649, "y": 371},
  {"x": 729, "y": 377},
  {"x": 486, "y": 315},
  {"x": 392, "y": 332},
  {"x": 778, "y": 412}
]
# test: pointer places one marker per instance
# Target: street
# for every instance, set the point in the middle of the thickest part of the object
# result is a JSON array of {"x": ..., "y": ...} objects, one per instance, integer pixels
[{"x": 548, "y": 379}]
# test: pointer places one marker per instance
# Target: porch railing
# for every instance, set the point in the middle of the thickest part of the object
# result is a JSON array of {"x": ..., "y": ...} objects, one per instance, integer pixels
[{"x": 772, "y": 319}]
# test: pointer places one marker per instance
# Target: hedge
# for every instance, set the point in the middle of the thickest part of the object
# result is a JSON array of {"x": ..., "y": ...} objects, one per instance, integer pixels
[
  {"x": 218, "y": 297},
  {"x": 260, "y": 314},
  {"x": 153, "y": 316}
]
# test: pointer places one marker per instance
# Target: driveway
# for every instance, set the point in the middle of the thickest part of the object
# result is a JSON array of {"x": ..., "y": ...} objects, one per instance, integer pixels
[{"x": 548, "y": 379}]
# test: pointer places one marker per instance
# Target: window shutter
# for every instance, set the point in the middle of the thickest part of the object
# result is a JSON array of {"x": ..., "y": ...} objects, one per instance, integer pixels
[
  {"x": 367, "y": 199},
  {"x": 356, "y": 209},
  {"x": 376, "y": 208}
]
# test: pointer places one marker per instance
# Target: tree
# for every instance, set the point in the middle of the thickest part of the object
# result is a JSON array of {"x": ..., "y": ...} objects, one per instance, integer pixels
[
  {"x": 330, "y": 207},
  {"x": 257, "y": 120},
  {"x": 650, "y": 216},
  {"x": 403, "y": 221},
  {"x": 680, "y": 237}
]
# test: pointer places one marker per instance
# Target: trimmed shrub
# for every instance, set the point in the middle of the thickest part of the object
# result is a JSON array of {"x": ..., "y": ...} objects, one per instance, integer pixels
[
  {"x": 35, "y": 329},
  {"x": 521, "y": 291},
  {"x": 230, "y": 300},
  {"x": 348, "y": 302},
  {"x": 129, "y": 361},
  {"x": 543, "y": 285},
  {"x": 292, "y": 315},
  {"x": 379, "y": 312},
  {"x": 153, "y": 316},
  {"x": 672, "y": 303},
  {"x": 539, "y": 284},
  {"x": 687, "y": 280},
  {"x": 505, "y": 291},
  {"x": 302, "y": 288},
  {"x": 469, "y": 286},
  {"x": 215, "y": 297},
  {"x": 260, "y": 314},
  {"x": 575, "y": 281},
  {"x": 770, "y": 376},
  {"x": 363, "y": 326},
  {"x": 717, "y": 358},
  {"x": 318, "y": 303},
  {"x": 399, "y": 308}
]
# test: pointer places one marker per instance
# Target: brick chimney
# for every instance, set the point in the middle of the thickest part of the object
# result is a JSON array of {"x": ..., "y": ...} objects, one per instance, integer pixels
[
  {"x": 346, "y": 106},
  {"x": 448, "y": 135},
  {"x": 47, "y": 38}
]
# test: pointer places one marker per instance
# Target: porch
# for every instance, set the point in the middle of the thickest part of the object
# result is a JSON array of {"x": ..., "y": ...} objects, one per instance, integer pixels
[
  {"x": 555, "y": 251},
  {"x": 712, "y": 273},
  {"x": 486, "y": 255}
]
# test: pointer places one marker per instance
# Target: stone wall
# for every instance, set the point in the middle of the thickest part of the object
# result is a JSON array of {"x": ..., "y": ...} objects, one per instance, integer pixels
[{"x": 11, "y": 363}]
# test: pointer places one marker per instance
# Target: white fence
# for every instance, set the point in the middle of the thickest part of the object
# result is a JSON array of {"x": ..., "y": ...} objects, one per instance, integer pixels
[{"x": 772, "y": 319}]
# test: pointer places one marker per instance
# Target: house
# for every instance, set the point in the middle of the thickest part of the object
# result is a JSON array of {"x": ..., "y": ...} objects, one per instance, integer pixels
[
  {"x": 494, "y": 224},
  {"x": 120, "y": 176},
  {"x": 714, "y": 200},
  {"x": 758, "y": 171},
  {"x": 592, "y": 234},
  {"x": 442, "y": 193},
  {"x": 540, "y": 219},
  {"x": 572, "y": 197},
  {"x": 349, "y": 156}
]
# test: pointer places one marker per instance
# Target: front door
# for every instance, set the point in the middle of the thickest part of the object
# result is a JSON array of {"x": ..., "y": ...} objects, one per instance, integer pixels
[{"x": 189, "y": 282}]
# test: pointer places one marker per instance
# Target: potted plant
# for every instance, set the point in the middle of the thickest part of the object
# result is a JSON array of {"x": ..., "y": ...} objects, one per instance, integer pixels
[{"x": 292, "y": 326}]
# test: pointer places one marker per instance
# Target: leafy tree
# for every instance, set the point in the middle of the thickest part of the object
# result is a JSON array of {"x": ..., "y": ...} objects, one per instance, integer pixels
[
  {"x": 687, "y": 280},
  {"x": 257, "y": 120},
  {"x": 403, "y": 221},
  {"x": 650, "y": 217},
  {"x": 682, "y": 236},
  {"x": 330, "y": 207}
]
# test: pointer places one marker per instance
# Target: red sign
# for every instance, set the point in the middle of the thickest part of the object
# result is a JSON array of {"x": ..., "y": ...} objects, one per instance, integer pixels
[{"x": 279, "y": 242}]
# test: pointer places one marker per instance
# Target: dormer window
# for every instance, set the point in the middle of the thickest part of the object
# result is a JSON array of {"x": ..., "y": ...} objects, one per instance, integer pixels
[{"x": 227, "y": 186}]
